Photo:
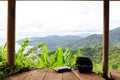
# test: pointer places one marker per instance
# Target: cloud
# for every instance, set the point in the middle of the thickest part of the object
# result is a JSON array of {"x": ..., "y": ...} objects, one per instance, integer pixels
[
  {"x": 3, "y": 12},
  {"x": 2, "y": 28},
  {"x": 58, "y": 16},
  {"x": 114, "y": 14}
]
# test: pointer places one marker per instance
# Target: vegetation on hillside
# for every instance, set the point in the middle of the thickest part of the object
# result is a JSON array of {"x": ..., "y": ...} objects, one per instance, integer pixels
[{"x": 95, "y": 53}]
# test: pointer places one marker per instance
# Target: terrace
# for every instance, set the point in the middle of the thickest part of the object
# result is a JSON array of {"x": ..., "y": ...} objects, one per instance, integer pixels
[
  {"x": 48, "y": 74},
  {"x": 43, "y": 74}
]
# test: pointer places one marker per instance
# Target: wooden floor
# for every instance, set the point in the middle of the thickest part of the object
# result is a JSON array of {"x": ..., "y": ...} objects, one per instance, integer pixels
[
  {"x": 43, "y": 74},
  {"x": 115, "y": 74}
]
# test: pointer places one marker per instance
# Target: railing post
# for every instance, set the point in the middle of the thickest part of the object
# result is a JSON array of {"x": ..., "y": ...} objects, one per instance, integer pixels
[
  {"x": 105, "y": 37},
  {"x": 11, "y": 33}
]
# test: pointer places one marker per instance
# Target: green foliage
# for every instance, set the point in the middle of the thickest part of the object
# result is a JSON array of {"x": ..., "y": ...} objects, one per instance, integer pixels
[
  {"x": 3, "y": 51},
  {"x": 114, "y": 57},
  {"x": 97, "y": 68},
  {"x": 5, "y": 71},
  {"x": 93, "y": 52},
  {"x": 58, "y": 58},
  {"x": 26, "y": 58}
]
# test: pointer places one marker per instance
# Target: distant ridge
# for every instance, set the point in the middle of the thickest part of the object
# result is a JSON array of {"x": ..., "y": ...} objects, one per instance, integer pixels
[
  {"x": 114, "y": 39},
  {"x": 75, "y": 42},
  {"x": 53, "y": 41}
]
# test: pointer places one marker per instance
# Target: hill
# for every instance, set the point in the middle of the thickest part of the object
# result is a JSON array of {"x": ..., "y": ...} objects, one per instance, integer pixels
[
  {"x": 53, "y": 41},
  {"x": 75, "y": 41},
  {"x": 115, "y": 36},
  {"x": 114, "y": 39}
]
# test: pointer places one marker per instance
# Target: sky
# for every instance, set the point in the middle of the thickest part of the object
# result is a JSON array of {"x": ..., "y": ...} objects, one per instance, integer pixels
[{"x": 42, "y": 18}]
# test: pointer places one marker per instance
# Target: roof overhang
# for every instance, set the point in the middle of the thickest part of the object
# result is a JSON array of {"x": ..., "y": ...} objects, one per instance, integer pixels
[{"x": 61, "y": 0}]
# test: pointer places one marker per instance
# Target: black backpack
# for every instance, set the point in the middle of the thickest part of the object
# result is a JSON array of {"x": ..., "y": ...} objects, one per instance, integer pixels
[{"x": 84, "y": 64}]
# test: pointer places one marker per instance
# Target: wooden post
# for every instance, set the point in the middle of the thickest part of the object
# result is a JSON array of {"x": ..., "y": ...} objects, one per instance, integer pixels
[
  {"x": 105, "y": 38},
  {"x": 11, "y": 33}
]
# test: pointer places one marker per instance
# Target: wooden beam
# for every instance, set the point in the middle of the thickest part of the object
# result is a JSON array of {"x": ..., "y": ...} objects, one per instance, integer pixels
[
  {"x": 11, "y": 33},
  {"x": 105, "y": 37},
  {"x": 60, "y": 0}
]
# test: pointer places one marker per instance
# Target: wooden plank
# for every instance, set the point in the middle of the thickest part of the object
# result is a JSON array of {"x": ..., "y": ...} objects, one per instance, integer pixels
[
  {"x": 60, "y": 0},
  {"x": 43, "y": 74},
  {"x": 77, "y": 75},
  {"x": 29, "y": 75},
  {"x": 52, "y": 75},
  {"x": 105, "y": 37},
  {"x": 69, "y": 76},
  {"x": 89, "y": 76},
  {"x": 36, "y": 75},
  {"x": 11, "y": 33},
  {"x": 20, "y": 76},
  {"x": 115, "y": 74}
]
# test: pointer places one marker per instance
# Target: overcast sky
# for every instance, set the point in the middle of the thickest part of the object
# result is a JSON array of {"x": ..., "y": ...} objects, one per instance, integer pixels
[{"x": 58, "y": 17}]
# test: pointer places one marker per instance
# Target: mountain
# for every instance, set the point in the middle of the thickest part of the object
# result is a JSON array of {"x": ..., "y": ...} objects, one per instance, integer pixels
[
  {"x": 53, "y": 41},
  {"x": 75, "y": 41},
  {"x": 115, "y": 36},
  {"x": 87, "y": 41},
  {"x": 114, "y": 39}
]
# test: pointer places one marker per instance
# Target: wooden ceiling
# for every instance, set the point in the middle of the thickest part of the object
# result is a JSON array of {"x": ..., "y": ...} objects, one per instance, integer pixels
[{"x": 61, "y": 0}]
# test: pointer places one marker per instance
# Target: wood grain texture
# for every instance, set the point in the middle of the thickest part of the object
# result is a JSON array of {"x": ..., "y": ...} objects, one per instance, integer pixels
[
  {"x": 11, "y": 32},
  {"x": 105, "y": 37},
  {"x": 69, "y": 76},
  {"x": 60, "y": 0},
  {"x": 43, "y": 74},
  {"x": 115, "y": 74},
  {"x": 89, "y": 76},
  {"x": 52, "y": 75},
  {"x": 18, "y": 76},
  {"x": 36, "y": 75}
]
